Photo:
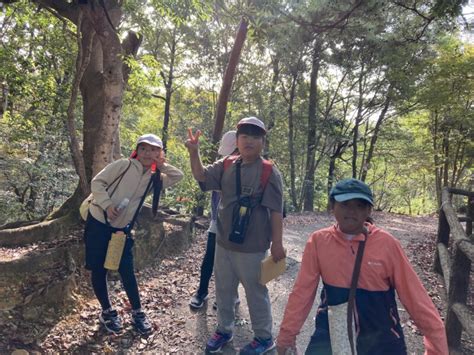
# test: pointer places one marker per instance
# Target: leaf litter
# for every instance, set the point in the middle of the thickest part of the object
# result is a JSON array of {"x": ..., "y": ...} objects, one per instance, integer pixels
[{"x": 165, "y": 290}]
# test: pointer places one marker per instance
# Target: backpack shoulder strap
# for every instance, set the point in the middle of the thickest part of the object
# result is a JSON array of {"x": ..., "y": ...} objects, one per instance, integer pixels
[
  {"x": 119, "y": 178},
  {"x": 229, "y": 160},
  {"x": 266, "y": 172},
  {"x": 267, "y": 168}
]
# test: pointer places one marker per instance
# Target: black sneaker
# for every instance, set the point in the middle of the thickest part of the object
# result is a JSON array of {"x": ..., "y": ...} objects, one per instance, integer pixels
[
  {"x": 141, "y": 323},
  {"x": 111, "y": 321},
  {"x": 197, "y": 301}
]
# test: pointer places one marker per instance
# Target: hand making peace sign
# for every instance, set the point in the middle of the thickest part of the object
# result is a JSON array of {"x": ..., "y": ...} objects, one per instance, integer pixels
[{"x": 192, "y": 143}]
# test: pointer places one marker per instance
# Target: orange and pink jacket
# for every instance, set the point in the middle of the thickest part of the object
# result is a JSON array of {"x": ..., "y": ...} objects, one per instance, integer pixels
[{"x": 385, "y": 268}]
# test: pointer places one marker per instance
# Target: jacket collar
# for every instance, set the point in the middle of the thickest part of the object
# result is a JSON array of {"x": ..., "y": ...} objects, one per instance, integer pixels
[{"x": 359, "y": 237}]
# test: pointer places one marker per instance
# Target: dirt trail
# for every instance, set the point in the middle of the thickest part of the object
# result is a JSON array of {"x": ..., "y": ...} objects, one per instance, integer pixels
[{"x": 166, "y": 290}]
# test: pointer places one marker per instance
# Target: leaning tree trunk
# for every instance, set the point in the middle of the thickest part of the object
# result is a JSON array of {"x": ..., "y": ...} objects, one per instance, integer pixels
[
  {"x": 227, "y": 82},
  {"x": 272, "y": 103},
  {"x": 373, "y": 140}
]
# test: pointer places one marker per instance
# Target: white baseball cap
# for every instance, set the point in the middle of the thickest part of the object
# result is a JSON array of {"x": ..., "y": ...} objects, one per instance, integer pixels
[
  {"x": 227, "y": 144},
  {"x": 252, "y": 121},
  {"x": 150, "y": 139}
]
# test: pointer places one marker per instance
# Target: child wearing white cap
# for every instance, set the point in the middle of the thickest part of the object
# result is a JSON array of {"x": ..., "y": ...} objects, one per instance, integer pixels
[
  {"x": 121, "y": 181},
  {"x": 243, "y": 239}
]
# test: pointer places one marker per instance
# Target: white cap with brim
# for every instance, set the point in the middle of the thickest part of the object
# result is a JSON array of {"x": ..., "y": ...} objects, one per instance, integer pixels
[
  {"x": 228, "y": 143},
  {"x": 252, "y": 121},
  {"x": 150, "y": 139}
]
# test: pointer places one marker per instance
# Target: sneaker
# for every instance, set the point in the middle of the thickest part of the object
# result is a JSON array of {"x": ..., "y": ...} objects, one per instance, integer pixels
[
  {"x": 111, "y": 321},
  {"x": 258, "y": 346},
  {"x": 214, "y": 305},
  {"x": 141, "y": 323},
  {"x": 197, "y": 301},
  {"x": 217, "y": 342}
]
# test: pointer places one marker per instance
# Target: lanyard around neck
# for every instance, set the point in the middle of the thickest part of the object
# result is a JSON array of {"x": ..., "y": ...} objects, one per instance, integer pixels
[{"x": 238, "y": 186}]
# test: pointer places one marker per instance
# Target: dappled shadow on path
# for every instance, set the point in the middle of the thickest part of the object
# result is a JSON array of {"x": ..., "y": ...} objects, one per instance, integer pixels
[{"x": 167, "y": 287}]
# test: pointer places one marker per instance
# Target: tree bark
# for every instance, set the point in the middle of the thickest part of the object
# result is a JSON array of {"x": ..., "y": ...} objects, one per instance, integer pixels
[
  {"x": 373, "y": 140},
  {"x": 227, "y": 81},
  {"x": 337, "y": 152},
  {"x": 102, "y": 84},
  {"x": 291, "y": 135},
  {"x": 112, "y": 89},
  {"x": 271, "y": 120},
  {"x": 355, "y": 136},
  {"x": 169, "y": 90},
  {"x": 308, "y": 182},
  {"x": 82, "y": 61}
]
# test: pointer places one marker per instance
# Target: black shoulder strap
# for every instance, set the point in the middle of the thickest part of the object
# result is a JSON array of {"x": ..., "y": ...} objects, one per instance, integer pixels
[
  {"x": 129, "y": 226},
  {"x": 353, "y": 289},
  {"x": 119, "y": 178},
  {"x": 157, "y": 187},
  {"x": 238, "y": 186}
]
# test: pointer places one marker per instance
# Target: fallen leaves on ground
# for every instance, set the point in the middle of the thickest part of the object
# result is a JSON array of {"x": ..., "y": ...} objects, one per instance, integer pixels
[{"x": 165, "y": 289}]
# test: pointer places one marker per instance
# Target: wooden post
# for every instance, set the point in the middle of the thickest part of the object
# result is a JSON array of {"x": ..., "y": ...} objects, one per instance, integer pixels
[
  {"x": 470, "y": 215},
  {"x": 458, "y": 288},
  {"x": 443, "y": 237}
]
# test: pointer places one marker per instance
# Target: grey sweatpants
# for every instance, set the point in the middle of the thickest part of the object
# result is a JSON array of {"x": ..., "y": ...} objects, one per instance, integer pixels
[{"x": 230, "y": 268}]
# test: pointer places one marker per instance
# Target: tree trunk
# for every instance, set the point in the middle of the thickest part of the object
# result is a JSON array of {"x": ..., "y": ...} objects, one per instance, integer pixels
[
  {"x": 227, "y": 81},
  {"x": 355, "y": 136},
  {"x": 92, "y": 101},
  {"x": 308, "y": 182},
  {"x": 271, "y": 120},
  {"x": 291, "y": 135},
  {"x": 445, "y": 152},
  {"x": 337, "y": 152},
  {"x": 434, "y": 133},
  {"x": 112, "y": 88},
  {"x": 102, "y": 86},
  {"x": 169, "y": 91},
  {"x": 82, "y": 61},
  {"x": 373, "y": 140}
]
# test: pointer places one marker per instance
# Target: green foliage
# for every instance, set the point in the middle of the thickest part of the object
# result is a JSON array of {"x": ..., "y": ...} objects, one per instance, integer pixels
[
  {"x": 35, "y": 76},
  {"x": 381, "y": 50},
  {"x": 446, "y": 95}
]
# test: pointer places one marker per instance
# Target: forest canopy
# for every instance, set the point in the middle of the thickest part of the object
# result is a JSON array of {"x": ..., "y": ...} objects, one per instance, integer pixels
[{"x": 377, "y": 90}]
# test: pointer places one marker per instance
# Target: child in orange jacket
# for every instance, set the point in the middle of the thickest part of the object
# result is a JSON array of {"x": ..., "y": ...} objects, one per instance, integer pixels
[{"x": 330, "y": 255}]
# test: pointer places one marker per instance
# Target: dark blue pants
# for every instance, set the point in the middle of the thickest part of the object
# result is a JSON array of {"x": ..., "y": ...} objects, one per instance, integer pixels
[
  {"x": 96, "y": 237},
  {"x": 207, "y": 264}
]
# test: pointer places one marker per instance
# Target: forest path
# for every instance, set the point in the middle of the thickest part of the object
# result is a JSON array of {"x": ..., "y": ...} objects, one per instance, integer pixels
[{"x": 167, "y": 287}]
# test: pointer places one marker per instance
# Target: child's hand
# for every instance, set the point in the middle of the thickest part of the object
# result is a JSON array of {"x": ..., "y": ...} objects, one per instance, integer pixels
[
  {"x": 277, "y": 251},
  {"x": 160, "y": 160},
  {"x": 192, "y": 143},
  {"x": 112, "y": 213}
]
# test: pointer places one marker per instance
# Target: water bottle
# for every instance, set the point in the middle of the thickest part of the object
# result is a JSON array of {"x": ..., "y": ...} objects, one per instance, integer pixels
[
  {"x": 115, "y": 250},
  {"x": 122, "y": 205}
]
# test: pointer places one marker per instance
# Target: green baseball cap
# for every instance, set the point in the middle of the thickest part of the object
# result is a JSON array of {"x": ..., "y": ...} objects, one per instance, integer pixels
[{"x": 349, "y": 189}]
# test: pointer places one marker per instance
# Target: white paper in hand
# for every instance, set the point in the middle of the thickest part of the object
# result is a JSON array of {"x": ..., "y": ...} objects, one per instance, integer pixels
[{"x": 270, "y": 269}]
